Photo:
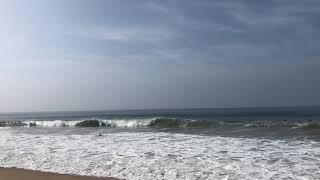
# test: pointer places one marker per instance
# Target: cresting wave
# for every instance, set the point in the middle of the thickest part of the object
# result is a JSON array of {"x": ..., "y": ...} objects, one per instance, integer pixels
[
  {"x": 164, "y": 122},
  {"x": 92, "y": 123}
]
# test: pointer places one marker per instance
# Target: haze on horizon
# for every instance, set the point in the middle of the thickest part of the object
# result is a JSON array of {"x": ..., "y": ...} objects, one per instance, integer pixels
[{"x": 85, "y": 55}]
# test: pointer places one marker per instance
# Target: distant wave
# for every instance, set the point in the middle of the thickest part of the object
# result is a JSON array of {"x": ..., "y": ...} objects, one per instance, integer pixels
[{"x": 162, "y": 122}]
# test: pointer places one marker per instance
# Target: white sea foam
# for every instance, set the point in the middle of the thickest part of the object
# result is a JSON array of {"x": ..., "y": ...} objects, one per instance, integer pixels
[
  {"x": 148, "y": 155},
  {"x": 107, "y": 122},
  {"x": 55, "y": 123},
  {"x": 128, "y": 123}
]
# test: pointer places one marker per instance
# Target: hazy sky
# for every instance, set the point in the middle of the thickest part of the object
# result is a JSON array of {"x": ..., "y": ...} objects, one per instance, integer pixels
[{"x": 120, "y": 54}]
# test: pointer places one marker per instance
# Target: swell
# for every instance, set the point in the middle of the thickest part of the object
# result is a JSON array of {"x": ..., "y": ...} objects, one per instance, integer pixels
[{"x": 162, "y": 122}]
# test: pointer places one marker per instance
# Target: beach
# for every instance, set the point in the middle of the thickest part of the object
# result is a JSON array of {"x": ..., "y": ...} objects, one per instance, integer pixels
[
  {"x": 22, "y": 174},
  {"x": 159, "y": 90},
  {"x": 279, "y": 143}
]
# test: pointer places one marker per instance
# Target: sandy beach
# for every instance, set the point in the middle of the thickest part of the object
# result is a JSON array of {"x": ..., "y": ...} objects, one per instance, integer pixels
[{"x": 22, "y": 174}]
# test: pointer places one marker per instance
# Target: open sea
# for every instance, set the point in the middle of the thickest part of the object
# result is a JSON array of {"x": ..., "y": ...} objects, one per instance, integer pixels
[{"x": 228, "y": 144}]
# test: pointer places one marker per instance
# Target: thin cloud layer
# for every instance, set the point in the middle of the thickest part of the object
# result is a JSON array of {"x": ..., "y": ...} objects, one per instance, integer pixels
[{"x": 158, "y": 54}]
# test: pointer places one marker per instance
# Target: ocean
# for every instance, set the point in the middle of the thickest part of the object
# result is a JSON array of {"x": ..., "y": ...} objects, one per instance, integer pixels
[{"x": 220, "y": 143}]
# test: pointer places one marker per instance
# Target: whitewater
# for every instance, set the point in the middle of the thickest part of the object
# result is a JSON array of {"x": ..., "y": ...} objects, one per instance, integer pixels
[
  {"x": 148, "y": 155},
  {"x": 194, "y": 144}
]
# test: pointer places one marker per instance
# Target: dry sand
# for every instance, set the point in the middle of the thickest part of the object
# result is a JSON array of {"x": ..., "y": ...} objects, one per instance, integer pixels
[{"x": 21, "y": 174}]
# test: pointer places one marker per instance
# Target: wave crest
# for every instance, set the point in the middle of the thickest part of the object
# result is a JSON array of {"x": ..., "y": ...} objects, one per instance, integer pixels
[{"x": 161, "y": 122}]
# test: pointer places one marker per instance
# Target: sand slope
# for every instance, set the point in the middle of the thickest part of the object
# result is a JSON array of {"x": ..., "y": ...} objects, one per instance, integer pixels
[{"x": 21, "y": 174}]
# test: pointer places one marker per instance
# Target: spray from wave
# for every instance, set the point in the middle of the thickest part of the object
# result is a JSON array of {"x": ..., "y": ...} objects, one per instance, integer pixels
[{"x": 163, "y": 122}]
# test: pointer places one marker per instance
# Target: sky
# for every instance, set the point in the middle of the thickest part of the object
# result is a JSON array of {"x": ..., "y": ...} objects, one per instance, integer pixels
[{"x": 58, "y": 55}]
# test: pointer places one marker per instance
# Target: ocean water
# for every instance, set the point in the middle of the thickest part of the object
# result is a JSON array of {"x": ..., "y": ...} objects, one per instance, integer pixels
[{"x": 242, "y": 143}]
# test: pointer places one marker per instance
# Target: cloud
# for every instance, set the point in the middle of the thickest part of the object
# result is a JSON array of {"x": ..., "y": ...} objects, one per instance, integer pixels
[
  {"x": 197, "y": 31},
  {"x": 179, "y": 17},
  {"x": 133, "y": 33},
  {"x": 158, "y": 7},
  {"x": 273, "y": 13}
]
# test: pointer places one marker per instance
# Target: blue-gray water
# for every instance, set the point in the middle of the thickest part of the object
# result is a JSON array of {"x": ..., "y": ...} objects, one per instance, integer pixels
[
  {"x": 284, "y": 122},
  {"x": 242, "y": 143}
]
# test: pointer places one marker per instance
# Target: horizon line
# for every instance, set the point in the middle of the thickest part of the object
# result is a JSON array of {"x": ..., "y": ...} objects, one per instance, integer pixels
[{"x": 150, "y": 109}]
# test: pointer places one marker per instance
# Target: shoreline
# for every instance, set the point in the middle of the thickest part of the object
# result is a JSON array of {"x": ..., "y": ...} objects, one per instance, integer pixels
[{"x": 24, "y": 174}]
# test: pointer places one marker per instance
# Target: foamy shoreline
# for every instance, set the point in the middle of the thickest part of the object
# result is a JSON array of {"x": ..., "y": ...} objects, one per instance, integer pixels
[
  {"x": 19, "y": 174},
  {"x": 158, "y": 155}
]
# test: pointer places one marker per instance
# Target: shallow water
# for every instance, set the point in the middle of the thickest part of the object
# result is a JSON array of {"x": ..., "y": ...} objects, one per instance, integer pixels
[
  {"x": 256, "y": 146},
  {"x": 161, "y": 155}
]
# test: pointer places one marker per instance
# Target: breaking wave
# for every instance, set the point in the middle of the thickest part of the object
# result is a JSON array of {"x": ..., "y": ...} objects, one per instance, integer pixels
[{"x": 163, "y": 122}]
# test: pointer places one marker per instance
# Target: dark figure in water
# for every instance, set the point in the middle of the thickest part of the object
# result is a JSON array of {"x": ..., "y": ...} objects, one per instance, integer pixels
[{"x": 99, "y": 134}]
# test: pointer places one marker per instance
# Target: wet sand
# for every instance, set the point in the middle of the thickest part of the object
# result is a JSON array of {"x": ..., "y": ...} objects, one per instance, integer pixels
[{"x": 21, "y": 174}]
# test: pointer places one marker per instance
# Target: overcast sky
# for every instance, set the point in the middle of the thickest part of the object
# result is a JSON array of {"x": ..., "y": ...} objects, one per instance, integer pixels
[{"x": 117, "y": 54}]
